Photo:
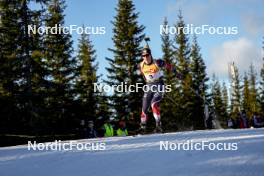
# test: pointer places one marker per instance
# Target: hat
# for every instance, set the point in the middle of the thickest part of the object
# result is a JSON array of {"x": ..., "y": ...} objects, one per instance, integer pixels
[
  {"x": 146, "y": 50},
  {"x": 122, "y": 124}
]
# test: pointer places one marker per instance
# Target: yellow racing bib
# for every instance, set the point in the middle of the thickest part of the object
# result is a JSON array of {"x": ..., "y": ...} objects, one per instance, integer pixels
[{"x": 151, "y": 72}]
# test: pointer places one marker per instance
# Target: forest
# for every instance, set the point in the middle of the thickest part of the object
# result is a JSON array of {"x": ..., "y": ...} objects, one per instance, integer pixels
[{"x": 47, "y": 85}]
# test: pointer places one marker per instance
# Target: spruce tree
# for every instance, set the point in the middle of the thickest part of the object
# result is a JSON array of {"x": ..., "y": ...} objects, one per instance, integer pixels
[
  {"x": 61, "y": 68},
  {"x": 103, "y": 105},
  {"x": 21, "y": 63},
  {"x": 25, "y": 59},
  {"x": 9, "y": 37},
  {"x": 127, "y": 36},
  {"x": 252, "y": 91},
  {"x": 246, "y": 103},
  {"x": 35, "y": 87},
  {"x": 9, "y": 63},
  {"x": 167, "y": 50},
  {"x": 235, "y": 89},
  {"x": 199, "y": 79},
  {"x": 225, "y": 100},
  {"x": 169, "y": 107},
  {"x": 217, "y": 101},
  {"x": 86, "y": 78},
  {"x": 262, "y": 85},
  {"x": 39, "y": 85},
  {"x": 182, "y": 55}
]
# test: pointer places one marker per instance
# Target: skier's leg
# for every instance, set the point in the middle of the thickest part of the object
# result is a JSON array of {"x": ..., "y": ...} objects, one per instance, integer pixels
[
  {"x": 145, "y": 106},
  {"x": 155, "y": 105}
]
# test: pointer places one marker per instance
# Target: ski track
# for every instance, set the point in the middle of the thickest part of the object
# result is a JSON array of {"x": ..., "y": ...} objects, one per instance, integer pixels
[{"x": 141, "y": 155}]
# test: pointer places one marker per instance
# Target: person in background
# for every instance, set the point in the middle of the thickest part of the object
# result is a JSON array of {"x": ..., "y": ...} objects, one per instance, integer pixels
[
  {"x": 231, "y": 123},
  {"x": 243, "y": 120},
  {"x": 91, "y": 133},
  {"x": 122, "y": 131},
  {"x": 238, "y": 120},
  {"x": 257, "y": 121},
  {"x": 209, "y": 121},
  {"x": 82, "y": 129},
  {"x": 108, "y": 129}
]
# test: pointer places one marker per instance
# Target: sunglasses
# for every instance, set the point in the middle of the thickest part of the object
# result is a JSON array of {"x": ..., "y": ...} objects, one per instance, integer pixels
[{"x": 145, "y": 55}]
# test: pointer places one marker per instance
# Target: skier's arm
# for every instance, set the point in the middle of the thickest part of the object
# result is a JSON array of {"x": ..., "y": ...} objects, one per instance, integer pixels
[{"x": 161, "y": 63}]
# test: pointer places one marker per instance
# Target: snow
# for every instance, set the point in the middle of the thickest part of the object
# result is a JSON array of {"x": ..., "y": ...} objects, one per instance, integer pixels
[{"x": 142, "y": 156}]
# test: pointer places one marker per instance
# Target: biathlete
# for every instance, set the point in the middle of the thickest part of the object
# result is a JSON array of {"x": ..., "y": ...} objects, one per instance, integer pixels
[{"x": 152, "y": 73}]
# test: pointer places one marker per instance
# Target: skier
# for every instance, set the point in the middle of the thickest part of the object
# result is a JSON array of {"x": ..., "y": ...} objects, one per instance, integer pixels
[{"x": 151, "y": 71}]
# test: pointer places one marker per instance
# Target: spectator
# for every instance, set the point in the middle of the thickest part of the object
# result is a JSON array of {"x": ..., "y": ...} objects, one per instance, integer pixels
[
  {"x": 257, "y": 121},
  {"x": 231, "y": 123},
  {"x": 209, "y": 121},
  {"x": 122, "y": 131},
  {"x": 82, "y": 130},
  {"x": 237, "y": 124},
  {"x": 243, "y": 121},
  {"x": 108, "y": 129},
  {"x": 91, "y": 131}
]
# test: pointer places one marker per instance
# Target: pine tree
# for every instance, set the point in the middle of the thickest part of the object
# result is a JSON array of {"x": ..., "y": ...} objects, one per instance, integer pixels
[
  {"x": 20, "y": 66},
  {"x": 34, "y": 70},
  {"x": 126, "y": 57},
  {"x": 87, "y": 77},
  {"x": 39, "y": 85},
  {"x": 199, "y": 79},
  {"x": 262, "y": 84},
  {"x": 25, "y": 59},
  {"x": 182, "y": 48},
  {"x": 253, "y": 91},
  {"x": 9, "y": 63},
  {"x": 246, "y": 103},
  {"x": 236, "y": 89},
  {"x": 9, "y": 37},
  {"x": 167, "y": 52},
  {"x": 61, "y": 68},
  {"x": 103, "y": 105},
  {"x": 217, "y": 101},
  {"x": 182, "y": 55},
  {"x": 225, "y": 100},
  {"x": 169, "y": 107}
]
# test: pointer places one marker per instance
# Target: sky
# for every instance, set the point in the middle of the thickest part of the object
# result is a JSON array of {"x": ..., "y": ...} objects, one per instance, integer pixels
[{"x": 217, "y": 50}]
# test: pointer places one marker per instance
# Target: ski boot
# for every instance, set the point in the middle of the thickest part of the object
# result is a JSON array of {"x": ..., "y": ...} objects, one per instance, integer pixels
[
  {"x": 158, "y": 128},
  {"x": 142, "y": 129}
]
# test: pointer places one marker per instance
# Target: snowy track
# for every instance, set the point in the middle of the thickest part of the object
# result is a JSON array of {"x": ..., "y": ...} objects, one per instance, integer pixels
[{"x": 142, "y": 156}]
